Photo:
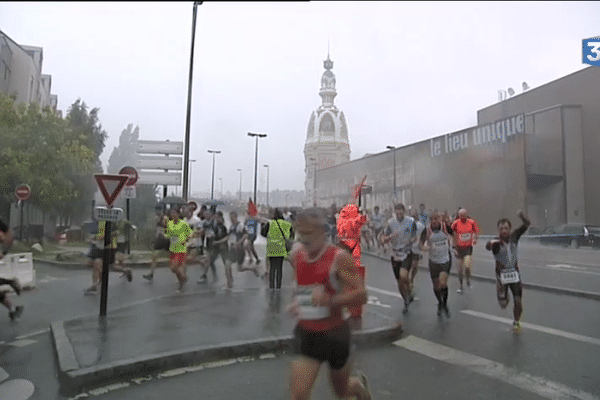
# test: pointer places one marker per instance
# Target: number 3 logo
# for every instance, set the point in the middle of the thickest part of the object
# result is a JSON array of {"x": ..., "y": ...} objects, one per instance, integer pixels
[{"x": 595, "y": 49}]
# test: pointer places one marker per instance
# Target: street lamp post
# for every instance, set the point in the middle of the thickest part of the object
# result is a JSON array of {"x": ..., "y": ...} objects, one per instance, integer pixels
[
  {"x": 256, "y": 135},
  {"x": 190, "y": 177},
  {"x": 393, "y": 150},
  {"x": 212, "y": 183},
  {"x": 267, "y": 165},
  {"x": 186, "y": 155},
  {"x": 240, "y": 183}
]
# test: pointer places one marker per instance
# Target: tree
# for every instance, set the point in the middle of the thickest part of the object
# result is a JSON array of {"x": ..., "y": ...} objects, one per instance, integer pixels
[
  {"x": 125, "y": 153},
  {"x": 49, "y": 154}
]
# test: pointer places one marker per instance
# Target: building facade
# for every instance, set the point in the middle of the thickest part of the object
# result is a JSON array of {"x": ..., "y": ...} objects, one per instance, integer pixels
[
  {"x": 21, "y": 74},
  {"x": 537, "y": 151},
  {"x": 327, "y": 141}
]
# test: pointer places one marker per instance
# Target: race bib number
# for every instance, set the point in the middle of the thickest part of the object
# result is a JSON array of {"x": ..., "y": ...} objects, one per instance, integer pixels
[
  {"x": 174, "y": 240},
  {"x": 231, "y": 240},
  {"x": 465, "y": 237},
  {"x": 510, "y": 276},
  {"x": 307, "y": 309}
]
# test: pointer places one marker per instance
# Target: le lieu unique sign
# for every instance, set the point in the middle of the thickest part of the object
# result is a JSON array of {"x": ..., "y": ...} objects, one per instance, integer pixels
[{"x": 496, "y": 132}]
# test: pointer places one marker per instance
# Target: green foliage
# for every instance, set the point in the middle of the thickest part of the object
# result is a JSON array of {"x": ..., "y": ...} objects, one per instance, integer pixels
[
  {"x": 125, "y": 153},
  {"x": 56, "y": 157}
]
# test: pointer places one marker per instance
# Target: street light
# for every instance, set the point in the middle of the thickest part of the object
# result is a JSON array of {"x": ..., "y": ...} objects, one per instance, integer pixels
[
  {"x": 267, "y": 165},
  {"x": 256, "y": 135},
  {"x": 212, "y": 184},
  {"x": 186, "y": 155},
  {"x": 240, "y": 183},
  {"x": 392, "y": 148},
  {"x": 190, "y": 177}
]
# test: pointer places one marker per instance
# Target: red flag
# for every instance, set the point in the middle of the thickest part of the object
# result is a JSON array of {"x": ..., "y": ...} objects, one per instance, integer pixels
[{"x": 252, "y": 211}]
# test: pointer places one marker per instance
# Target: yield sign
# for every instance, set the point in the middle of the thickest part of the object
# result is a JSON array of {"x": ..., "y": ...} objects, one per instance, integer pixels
[{"x": 111, "y": 186}]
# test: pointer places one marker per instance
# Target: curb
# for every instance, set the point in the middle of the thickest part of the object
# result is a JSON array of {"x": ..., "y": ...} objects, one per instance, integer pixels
[
  {"x": 543, "y": 288},
  {"x": 83, "y": 266},
  {"x": 76, "y": 379}
]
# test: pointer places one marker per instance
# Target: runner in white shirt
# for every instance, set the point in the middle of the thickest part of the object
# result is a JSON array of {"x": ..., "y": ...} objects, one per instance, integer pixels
[
  {"x": 401, "y": 232},
  {"x": 436, "y": 239}
]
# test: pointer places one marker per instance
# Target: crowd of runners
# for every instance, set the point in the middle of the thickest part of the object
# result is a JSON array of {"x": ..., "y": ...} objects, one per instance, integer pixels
[{"x": 324, "y": 268}]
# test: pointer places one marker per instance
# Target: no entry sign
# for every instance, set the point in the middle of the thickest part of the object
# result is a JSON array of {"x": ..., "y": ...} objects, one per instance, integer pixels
[
  {"x": 133, "y": 175},
  {"x": 22, "y": 192}
]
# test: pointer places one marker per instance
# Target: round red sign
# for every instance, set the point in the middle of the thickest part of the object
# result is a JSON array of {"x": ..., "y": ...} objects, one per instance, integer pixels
[
  {"x": 133, "y": 175},
  {"x": 23, "y": 192}
]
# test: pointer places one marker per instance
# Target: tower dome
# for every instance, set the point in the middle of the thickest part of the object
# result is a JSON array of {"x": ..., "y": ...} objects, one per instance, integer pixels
[{"x": 327, "y": 142}]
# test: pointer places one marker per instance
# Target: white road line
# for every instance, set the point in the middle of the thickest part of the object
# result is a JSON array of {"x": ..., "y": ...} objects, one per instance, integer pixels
[
  {"x": 540, "y": 386},
  {"x": 393, "y": 294},
  {"x": 33, "y": 334},
  {"x": 550, "y": 267},
  {"x": 539, "y": 328}
]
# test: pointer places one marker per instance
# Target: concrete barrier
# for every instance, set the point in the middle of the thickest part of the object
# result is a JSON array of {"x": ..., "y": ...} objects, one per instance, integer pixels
[{"x": 18, "y": 265}]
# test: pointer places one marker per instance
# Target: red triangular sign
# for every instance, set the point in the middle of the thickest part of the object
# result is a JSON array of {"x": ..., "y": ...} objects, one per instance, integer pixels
[{"x": 110, "y": 186}]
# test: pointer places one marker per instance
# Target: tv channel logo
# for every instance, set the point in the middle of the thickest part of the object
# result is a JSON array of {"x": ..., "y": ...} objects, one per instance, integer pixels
[{"x": 591, "y": 51}]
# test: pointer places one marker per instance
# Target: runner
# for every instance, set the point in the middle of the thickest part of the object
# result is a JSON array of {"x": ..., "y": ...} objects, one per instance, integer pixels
[
  {"x": 416, "y": 254},
  {"x": 366, "y": 233},
  {"x": 178, "y": 232},
  {"x": 123, "y": 228},
  {"x": 377, "y": 221},
  {"x": 251, "y": 225},
  {"x": 436, "y": 240},
  {"x": 504, "y": 248},
  {"x": 466, "y": 233},
  {"x": 423, "y": 217},
  {"x": 208, "y": 233},
  {"x": 217, "y": 245},
  {"x": 237, "y": 237},
  {"x": 194, "y": 247},
  {"x": 327, "y": 281},
  {"x": 401, "y": 232},
  {"x": 161, "y": 244},
  {"x": 96, "y": 255},
  {"x": 7, "y": 240}
]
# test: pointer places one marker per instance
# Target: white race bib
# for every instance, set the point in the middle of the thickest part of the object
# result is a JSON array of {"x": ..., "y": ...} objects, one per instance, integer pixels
[
  {"x": 399, "y": 255},
  {"x": 465, "y": 237},
  {"x": 174, "y": 240},
  {"x": 307, "y": 309},
  {"x": 509, "y": 276}
]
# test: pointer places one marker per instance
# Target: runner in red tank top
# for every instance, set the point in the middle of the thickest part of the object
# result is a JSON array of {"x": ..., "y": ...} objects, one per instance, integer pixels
[
  {"x": 327, "y": 281},
  {"x": 466, "y": 233}
]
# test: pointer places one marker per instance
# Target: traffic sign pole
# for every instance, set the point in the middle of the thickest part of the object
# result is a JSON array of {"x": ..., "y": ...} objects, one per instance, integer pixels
[
  {"x": 105, "y": 264},
  {"x": 21, "y": 234}
]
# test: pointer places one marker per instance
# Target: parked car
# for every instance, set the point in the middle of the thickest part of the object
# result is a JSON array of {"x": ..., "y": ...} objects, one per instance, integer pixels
[{"x": 573, "y": 235}]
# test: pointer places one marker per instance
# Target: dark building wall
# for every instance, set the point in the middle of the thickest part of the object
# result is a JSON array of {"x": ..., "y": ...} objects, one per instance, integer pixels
[{"x": 580, "y": 88}]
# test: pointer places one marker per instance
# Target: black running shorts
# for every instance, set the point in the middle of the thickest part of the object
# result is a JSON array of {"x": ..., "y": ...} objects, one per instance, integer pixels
[
  {"x": 332, "y": 346},
  {"x": 406, "y": 264},
  {"x": 436, "y": 269},
  {"x": 461, "y": 252},
  {"x": 502, "y": 291}
]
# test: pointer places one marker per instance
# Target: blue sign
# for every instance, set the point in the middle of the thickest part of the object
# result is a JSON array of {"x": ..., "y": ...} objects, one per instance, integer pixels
[{"x": 591, "y": 51}]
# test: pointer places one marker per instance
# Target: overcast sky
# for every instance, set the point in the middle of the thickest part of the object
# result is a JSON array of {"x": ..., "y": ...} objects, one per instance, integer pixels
[{"x": 405, "y": 71}]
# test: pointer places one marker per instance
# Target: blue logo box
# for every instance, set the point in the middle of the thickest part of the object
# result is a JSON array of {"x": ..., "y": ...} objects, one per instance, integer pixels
[{"x": 591, "y": 51}]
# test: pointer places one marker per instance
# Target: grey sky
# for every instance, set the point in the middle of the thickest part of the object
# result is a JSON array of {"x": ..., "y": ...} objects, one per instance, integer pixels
[{"x": 405, "y": 71}]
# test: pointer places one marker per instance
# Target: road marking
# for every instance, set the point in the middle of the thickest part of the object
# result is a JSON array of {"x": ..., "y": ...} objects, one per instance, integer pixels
[
  {"x": 375, "y": 302},
  {"x": 540, "y": 386},
  {"x": 22, "y": 343},
  {"x": 539, "y": 328},
  {"x": 33, "y": 334},
  {"x": 382, "y": 291},
  {"x": 566, "y": 266}
]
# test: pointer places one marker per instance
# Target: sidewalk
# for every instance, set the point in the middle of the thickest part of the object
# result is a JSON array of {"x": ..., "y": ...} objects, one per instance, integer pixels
[{"x": 182, "y": 330}]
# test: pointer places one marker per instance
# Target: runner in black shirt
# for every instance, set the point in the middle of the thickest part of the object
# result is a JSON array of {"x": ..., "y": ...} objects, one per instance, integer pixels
[{"x": 504, "y": 248}]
